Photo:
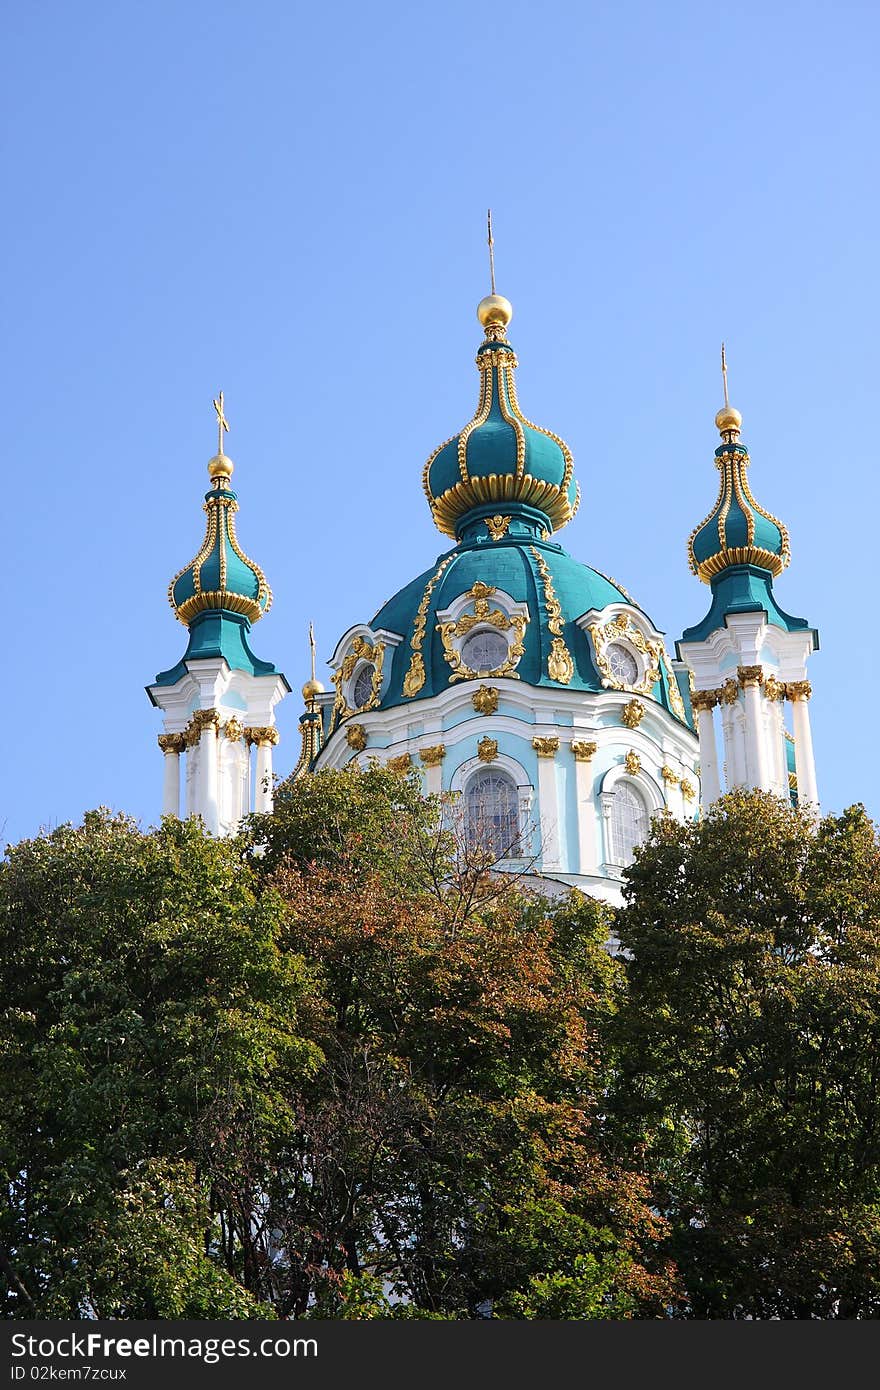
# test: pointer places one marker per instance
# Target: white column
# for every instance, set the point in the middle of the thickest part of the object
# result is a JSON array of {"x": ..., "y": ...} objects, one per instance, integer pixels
[
  {"x": 192, "y": 770},
  {"x": 431, "y": 760},
  {"x": 805, "y": 765},
  {"x": 588, "y": 857},
  {"x": 548, "y": 801},
  {"x": 734, "y": 752},
  {"x": 209, "y": 805},
  {"x": 710, "y": 776},
  {"x": 171, "y": 744},
  {"x": 757, "y": 762},
  {"x": 265, "y": 737}
]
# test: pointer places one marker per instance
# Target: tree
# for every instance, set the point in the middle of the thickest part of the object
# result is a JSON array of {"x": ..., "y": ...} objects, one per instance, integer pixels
[
  {"x": 451, "y": 1151},
  {"x": 750, "y": 1055},
  {"x": 149, "y": 1056}
]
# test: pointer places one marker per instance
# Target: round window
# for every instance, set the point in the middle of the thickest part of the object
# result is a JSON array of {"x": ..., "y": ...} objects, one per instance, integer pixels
[
  {"x": 363, "y": 685},
  {"x": 624, "y": 667},
  {"x": 484, "y": 651}
]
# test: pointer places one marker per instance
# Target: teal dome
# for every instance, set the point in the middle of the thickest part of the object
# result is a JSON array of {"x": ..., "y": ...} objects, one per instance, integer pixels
[
  {"x": 738, "y": 531},
  {"x": 500, "y": 465},
  {"x": 221, "y": 577},
  {"x": 545, "y": 580}
]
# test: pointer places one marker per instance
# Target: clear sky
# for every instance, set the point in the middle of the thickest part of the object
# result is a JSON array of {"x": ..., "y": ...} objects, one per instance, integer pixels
[{"x": 287, "y": 201}]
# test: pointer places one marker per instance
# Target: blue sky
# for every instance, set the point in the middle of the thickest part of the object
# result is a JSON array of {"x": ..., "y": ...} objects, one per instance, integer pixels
[{"x": 287, "y": 201}]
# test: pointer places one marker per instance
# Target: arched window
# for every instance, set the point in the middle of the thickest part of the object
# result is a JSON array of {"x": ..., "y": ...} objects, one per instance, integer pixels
[
  {"x": 492, "y": 815},
  {"x": 629, "y": 823},
  {"x": 363, "y": 685}
]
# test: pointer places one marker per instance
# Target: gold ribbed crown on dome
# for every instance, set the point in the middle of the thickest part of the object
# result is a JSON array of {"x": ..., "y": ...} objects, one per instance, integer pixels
[{"x": 500, "y": 461}]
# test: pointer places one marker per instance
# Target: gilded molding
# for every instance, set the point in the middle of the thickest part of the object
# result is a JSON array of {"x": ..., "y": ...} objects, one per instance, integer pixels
[
  {"x": 434, "y": 755},
  {"x": 798, "y": 690},
  {"x": 487, "y": 750},
  {"x": 262, "y": 734},
  {"x": 675, "y": 699},
  {"x": 728, "y": 693},
  {"x": 672, "y": 778},
  {"x": 356, "y": 737},
  {"x": 402, "y": 763},
  {"x": 583, "y": 749},
  {"x": 172, "y": 743},
  {"x": 415, "y": 676},
  {"x": 497, "y": 526},
  {"x": 622, "y": 626},
  {"x": 485, "y": 700},
  {"x": 233, "y": 730},
  {"x": 483, "y": 615},
  {"x": 688, "y": 790},
  {"x": 361, "y": 650},
  {"x": 633, "y": 714},
  {"x": 750, "y": 675},
  {"x": 633, "y": 763},
  {"x": 546, "y": 747},
  {"x": 774, "y": 689},
  {"x": 560, "y": 666}
]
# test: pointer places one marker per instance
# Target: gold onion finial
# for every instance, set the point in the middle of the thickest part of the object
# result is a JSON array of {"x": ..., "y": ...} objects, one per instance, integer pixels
[
  {"x": 220, "y": 466},
  {"x": 728, "y": 419},
  {"x": 494, "y": 311},
  {"x": 313, "y": 687}
]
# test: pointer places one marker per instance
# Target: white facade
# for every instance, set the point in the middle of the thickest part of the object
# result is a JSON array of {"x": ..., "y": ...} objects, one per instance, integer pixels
[
  {"x": 750, "y": 672},
  {"x": 214, "y": 717}
]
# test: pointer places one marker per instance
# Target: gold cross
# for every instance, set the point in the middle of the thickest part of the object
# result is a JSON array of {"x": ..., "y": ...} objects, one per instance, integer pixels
[{"x": 222, "y": 422}]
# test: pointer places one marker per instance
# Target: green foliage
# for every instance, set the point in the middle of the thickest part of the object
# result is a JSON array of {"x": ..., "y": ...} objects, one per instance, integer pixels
[
  {"x": 750, "y": 1055},
  {"x": 150, "y": 1017}
]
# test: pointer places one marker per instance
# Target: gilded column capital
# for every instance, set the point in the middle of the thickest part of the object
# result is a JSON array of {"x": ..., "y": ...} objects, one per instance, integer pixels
[
  {"x": 487, "y": 750},
  {"x": 262, "y": 734},
  {"x": 485, "y": 700},
  {"x": 434, "y": 755},
  {"x": 402, "y": 763},
  {"x": 704, "y": 700},
  {"x": 192, "y": 733},
  {"x": 583, "y": 749},
  {"x": 356, "y": 737},
  {"x": 233, "y": 730},
  {"x": 204, "y": 718},
  {"x": 632, "y": 762},
  {"x": 172, "y": 743},
  {"x": 545, "y": 747},
  {"x": 750, "y": 675},
  {"x": 798, "y": 690}
]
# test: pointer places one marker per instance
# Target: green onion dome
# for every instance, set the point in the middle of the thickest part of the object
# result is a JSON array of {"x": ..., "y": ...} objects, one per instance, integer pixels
[
  {"x": 738, "y": 531},
  {"x": 500, "y": 461},
  {"x": 221, "y": 577}
]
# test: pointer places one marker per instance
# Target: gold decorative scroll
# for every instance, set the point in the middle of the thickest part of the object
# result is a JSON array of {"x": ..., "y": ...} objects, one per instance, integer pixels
[
  {"x": 483, "y": 616},
  {"x": 415, "y": 676},
  {"x": 622, "y": 626}
]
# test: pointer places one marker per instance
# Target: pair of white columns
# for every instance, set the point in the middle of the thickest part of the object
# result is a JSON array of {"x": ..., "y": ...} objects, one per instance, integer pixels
[
  {"x": 759, "y": 770},
  {"x": 202, "y": 739}
]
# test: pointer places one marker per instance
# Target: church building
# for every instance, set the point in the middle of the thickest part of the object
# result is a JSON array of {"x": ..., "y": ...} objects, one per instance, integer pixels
[{"x": 508, "y": 672}]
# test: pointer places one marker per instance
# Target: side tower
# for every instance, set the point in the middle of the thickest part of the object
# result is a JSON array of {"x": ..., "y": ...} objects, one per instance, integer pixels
[
  {"x": 219, "y": 700},
  {"x": 747, "y": 657}
]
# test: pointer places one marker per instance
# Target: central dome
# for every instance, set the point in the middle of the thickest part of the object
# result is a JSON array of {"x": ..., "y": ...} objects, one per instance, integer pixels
[{"x": 500, "y": 461}]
